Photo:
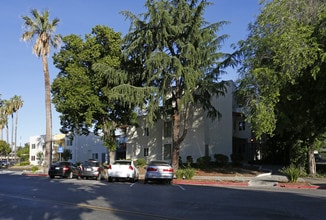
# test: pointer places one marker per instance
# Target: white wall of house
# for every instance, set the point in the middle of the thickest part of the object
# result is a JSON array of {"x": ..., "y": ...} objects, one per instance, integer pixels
[
  {"x": 204, "y": 136},
  {"x": 142, "y": 139},
  {"x": 82, "y": 148},
  {"x": 86, "y": 147},
  {"x": 36, "y": 145}
]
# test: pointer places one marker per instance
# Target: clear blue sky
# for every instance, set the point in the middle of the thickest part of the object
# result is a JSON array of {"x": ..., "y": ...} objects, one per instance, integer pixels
[{"x": 21, "y": 71}]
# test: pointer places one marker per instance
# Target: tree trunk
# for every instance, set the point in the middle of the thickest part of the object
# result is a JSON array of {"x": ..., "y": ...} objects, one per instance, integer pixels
[
  {"x": 311, "y": 162},
  {"x": 12, "y": 132},
  {"x": 48, "y": 133},
  {"x": 176, "y": 141},
  {"x": 111, "y": 156},
  {"x": 16, "y": 131}
]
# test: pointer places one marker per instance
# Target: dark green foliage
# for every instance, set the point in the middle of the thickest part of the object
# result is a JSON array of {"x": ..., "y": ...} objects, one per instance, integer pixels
[
  {"x": 23, "y": 153},
  {"x": 236, "y": 159},
  {"x": 292, "y": 172},
  {"x": 185, "y": 173},
  {"x": 321, "y": 169},
  {"x": 190, "y": 160},
  {"x": 221, "y": 159},
  {"x": 141, "y": 162},
  {"x": 203, "y": 162},
  {"x": 177, "y": 52},
  {"x": 91, "y": 89},
  {"x": 4, "y": 148},
  {"x": 283, "y": 80},
  {"x": 66, "y": 155}
]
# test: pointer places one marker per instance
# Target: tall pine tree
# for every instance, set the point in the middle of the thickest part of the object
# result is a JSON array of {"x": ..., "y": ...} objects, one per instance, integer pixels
[{"x": 177, "y": 52}]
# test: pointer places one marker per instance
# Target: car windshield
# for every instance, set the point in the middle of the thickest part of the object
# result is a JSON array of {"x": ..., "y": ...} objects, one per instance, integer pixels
[
  {"x": 121, "y": 162},
  {"x": 64, "y": 164},
  {"x": 91, "y": 163}
]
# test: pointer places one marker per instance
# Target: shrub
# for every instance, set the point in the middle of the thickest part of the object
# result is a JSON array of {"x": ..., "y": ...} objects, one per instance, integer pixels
[
  {"x": 34, "y": 169},
  {"x": 221, "y": 159},
  {"x": 141, "y": 162},
  {"x": 203, "y": 162},
  {"x": 24, "y": 163},
  {"x": 186, "y": 173},
  {"x": 237, "y": 159},
  {"x": 190, "y": 160},
  {"x": 291, "y": 172}
]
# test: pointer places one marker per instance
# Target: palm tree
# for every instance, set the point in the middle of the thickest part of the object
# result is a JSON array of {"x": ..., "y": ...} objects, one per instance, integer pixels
[
  {"x": 17, "y": 103},
  {"x": 7, "y": 110},
  {"x": 3, "y": 118},
  {"x": 43, "y": 29}
]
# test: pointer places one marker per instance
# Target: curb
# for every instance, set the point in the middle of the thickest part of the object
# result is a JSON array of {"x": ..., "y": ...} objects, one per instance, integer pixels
[
  {"x": 243, "y": 184},
  {"x": 204, "y": 182}
]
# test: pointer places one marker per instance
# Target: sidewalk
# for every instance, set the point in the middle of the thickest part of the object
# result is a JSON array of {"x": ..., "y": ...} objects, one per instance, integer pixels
[{"x": 262, "y": 180}]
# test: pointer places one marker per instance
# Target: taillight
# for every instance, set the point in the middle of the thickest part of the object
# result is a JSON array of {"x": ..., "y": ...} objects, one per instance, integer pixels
[
  {"x": 109, "y": 167},
  {"x": 131, "y": 168},
  {"x": 98, "y": 169},
  {"x": 151, "y": 169},
  {"x": 170, "y": 170},
  {"x": 65, "y": 168}
]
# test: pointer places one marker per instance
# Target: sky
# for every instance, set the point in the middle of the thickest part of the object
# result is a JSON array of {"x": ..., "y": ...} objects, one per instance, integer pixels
[{"x": 21, "y": 71}]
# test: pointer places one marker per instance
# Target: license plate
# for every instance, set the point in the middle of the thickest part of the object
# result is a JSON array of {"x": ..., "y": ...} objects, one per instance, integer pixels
[
  {"x": 88, "y": 169},
  {"x": 57, "y": 168}
]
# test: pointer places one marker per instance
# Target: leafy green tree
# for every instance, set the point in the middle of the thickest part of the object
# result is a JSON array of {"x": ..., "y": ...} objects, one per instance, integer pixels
[
  {"x": 23, "y": 153},
  {"x": 85, "y": 90},
  {"x": 178, "y": 54},
  {"x": 40, "y": 27},
  {"x": 5, "y": 149},
  {"x": 282, "y": 75},
  {"x": 66, "y": 155},
  {"x": 40, "y": 157}
]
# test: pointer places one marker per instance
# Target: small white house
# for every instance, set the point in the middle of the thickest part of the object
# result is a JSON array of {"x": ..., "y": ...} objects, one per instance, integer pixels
[{"x": 82, "y": 148}]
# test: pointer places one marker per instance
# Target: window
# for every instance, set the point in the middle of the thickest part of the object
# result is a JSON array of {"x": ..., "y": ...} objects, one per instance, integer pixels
[
  {"x": 242, "y": 126},
  {"x": 146, "y": 151},
  {"x": 69, "y": 142},
  {"x": 95, "y": 156},
  {"x": 167, "y": 152},
  {"x": 206, "y": 150},
  {"x": 33, "y": 146},
  {"x": 32, "y": 158},
  {"x": 146, "y": 131},
  {"x": 168, "y": 129}
]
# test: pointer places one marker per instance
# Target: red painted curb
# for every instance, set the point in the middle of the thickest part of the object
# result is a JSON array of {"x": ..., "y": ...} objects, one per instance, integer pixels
[
  {"x": 298, "y": 186},
  {"x": 210, "y": 183},
  {"x": 34, "y": 174}
]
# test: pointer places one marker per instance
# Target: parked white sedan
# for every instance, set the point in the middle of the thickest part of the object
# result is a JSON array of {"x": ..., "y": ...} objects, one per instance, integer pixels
[{"x": 123, "y": 169}]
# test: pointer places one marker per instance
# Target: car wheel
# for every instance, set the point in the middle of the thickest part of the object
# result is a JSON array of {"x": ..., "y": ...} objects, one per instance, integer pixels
[
  {"x": 109, "y": 179},
  {"x": 99, "y": 177},
  {"x": 71, "y": 175},
  {"x": 132, "y": 180},
  {"x": 51, "y": 176}
]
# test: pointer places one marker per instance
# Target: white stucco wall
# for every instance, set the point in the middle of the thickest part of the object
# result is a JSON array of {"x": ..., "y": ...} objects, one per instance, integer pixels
[
  {"x": 82, "y": 148},
  {"x": 202, "y": 132},
  {"x": 38, "y": 142},
  {"x": 85, "y": 147}
]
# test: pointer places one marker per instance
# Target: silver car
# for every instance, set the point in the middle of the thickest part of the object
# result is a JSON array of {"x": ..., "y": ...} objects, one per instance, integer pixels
[{"x": 158, "y": 170}]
